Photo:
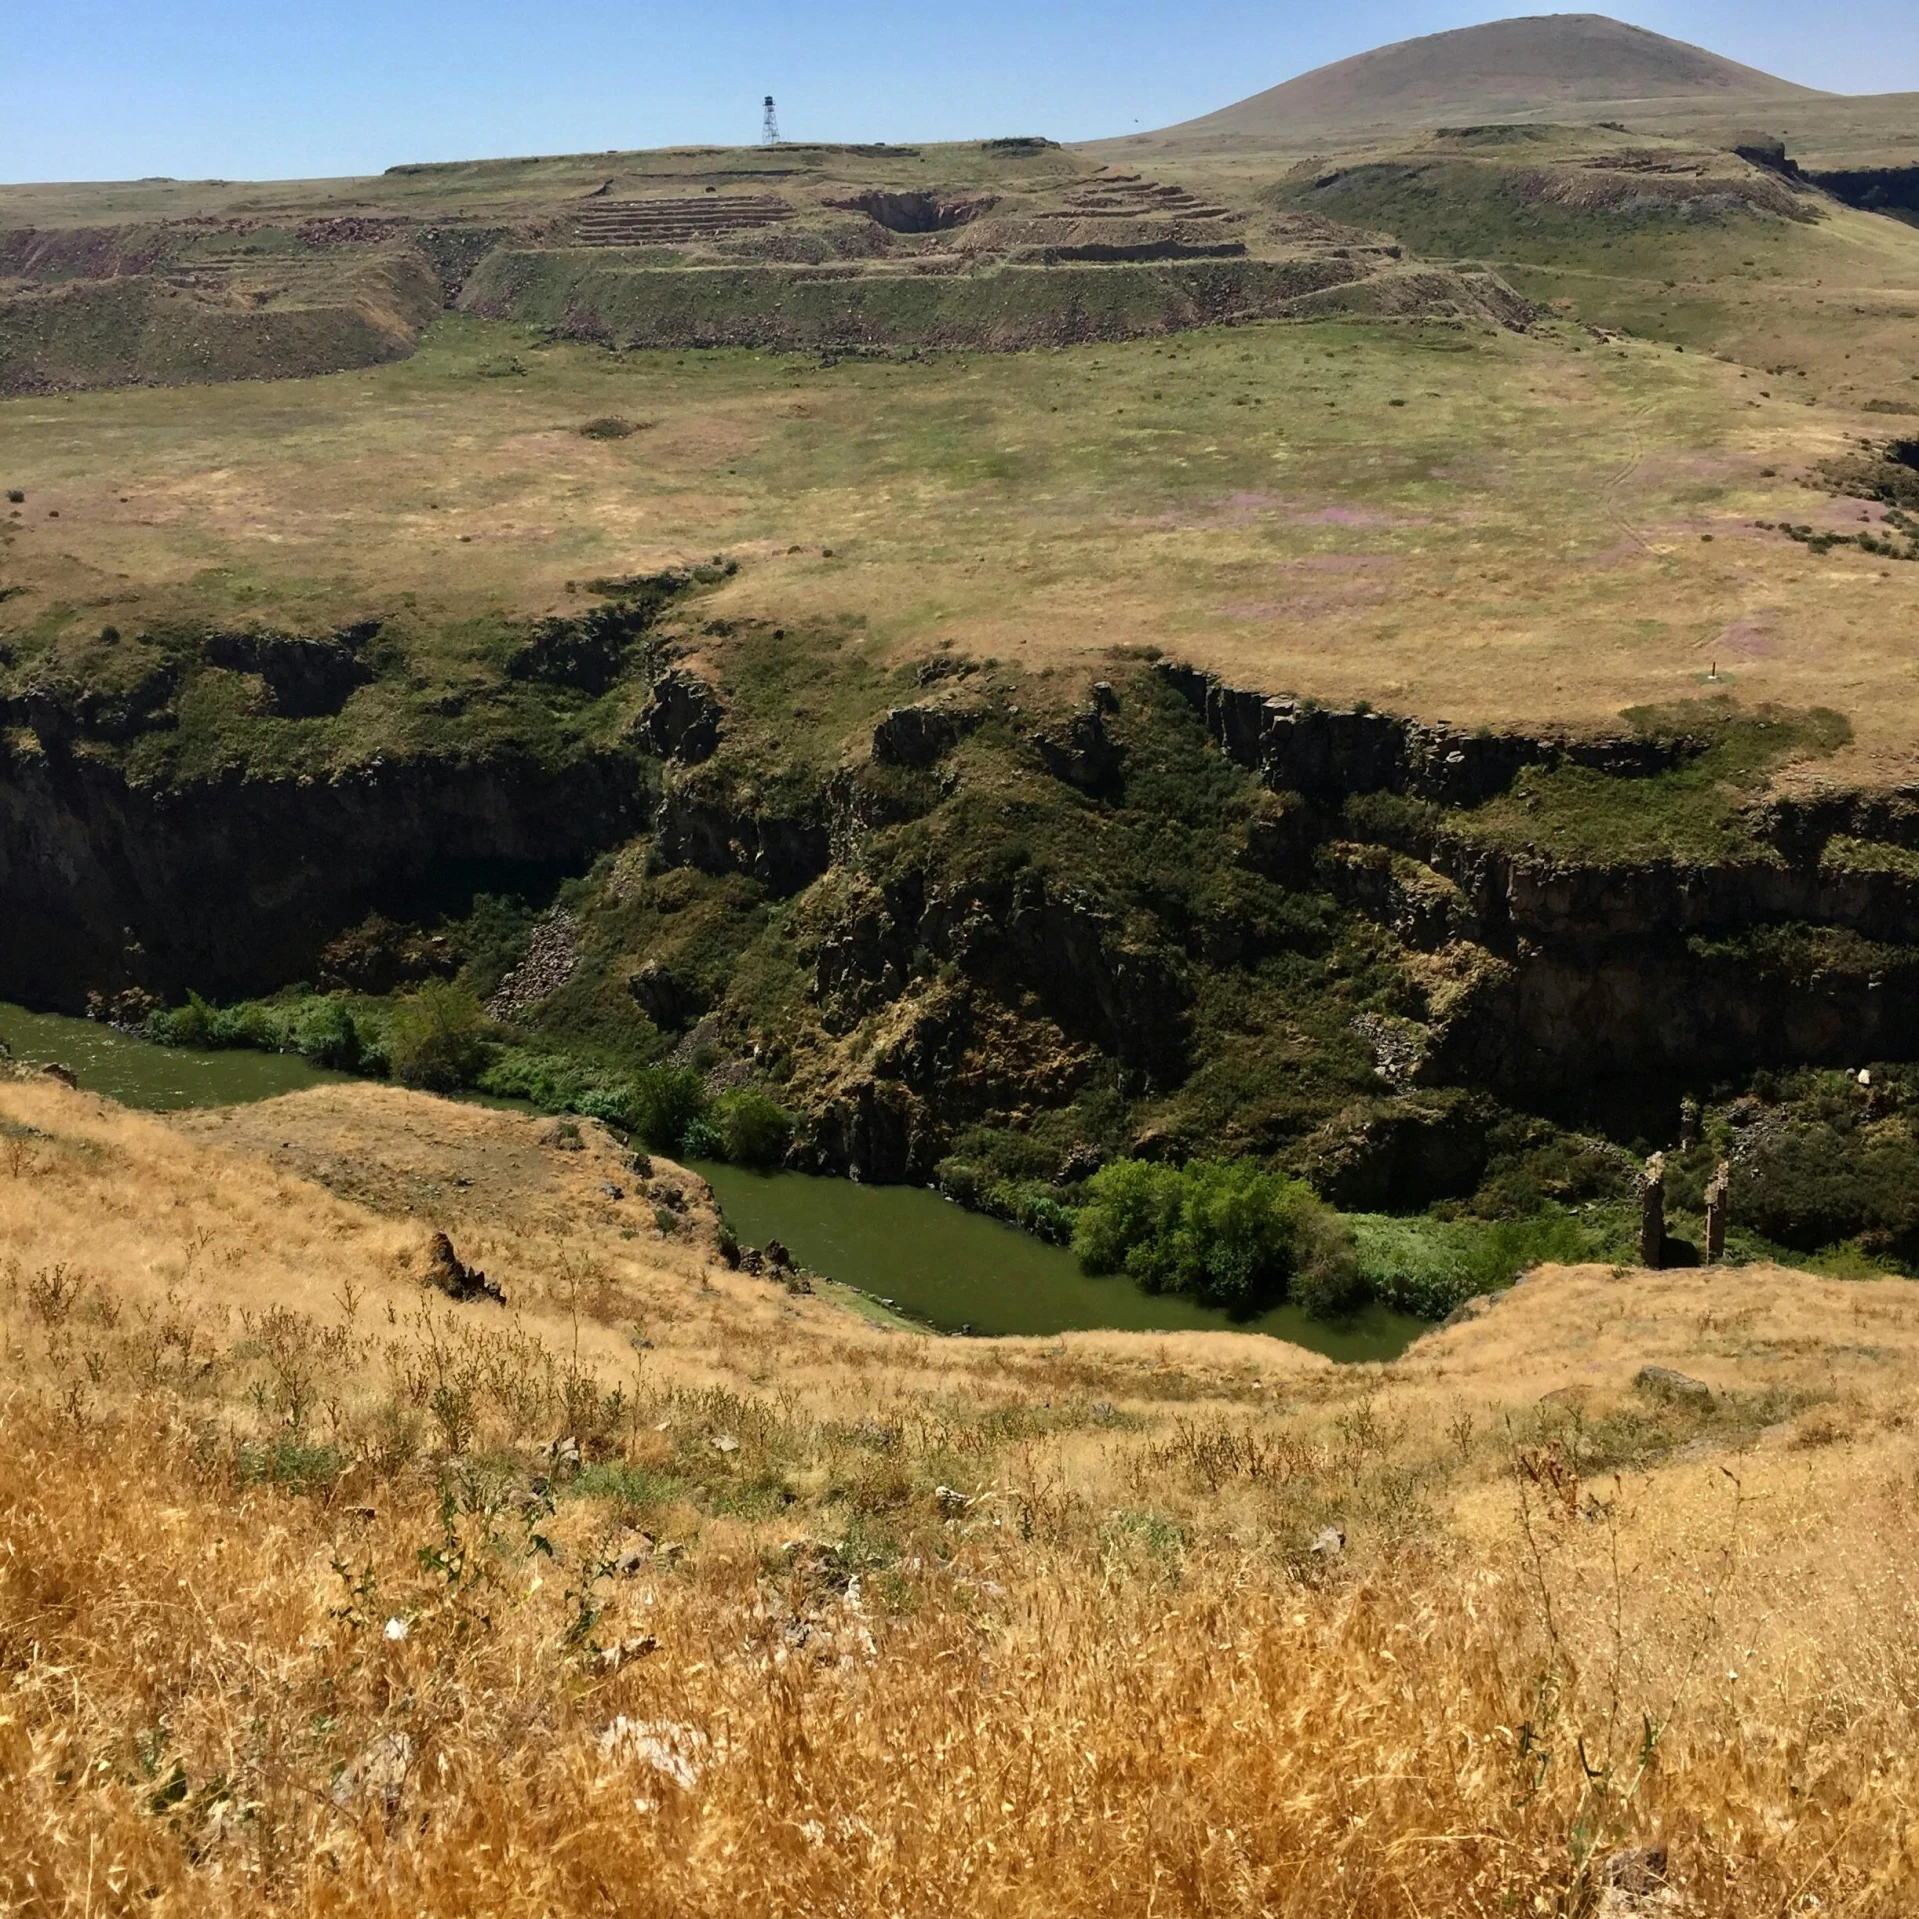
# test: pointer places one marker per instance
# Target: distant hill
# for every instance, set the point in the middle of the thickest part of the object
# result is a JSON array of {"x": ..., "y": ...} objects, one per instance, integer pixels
[{"x": 1511, "y": 69}]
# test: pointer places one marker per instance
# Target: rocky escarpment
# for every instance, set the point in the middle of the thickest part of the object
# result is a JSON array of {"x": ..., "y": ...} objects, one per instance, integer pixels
[
  {"x": 181, "y": 809},
  {"x": 950, "y": 919},
  {"x": 1796, "y": 942},
  {"x": 1331, "y": 754},
  {"x": 230, "y": 885}
]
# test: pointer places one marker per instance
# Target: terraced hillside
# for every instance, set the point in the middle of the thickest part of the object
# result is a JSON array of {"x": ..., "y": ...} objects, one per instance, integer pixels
[{"x": 999, "y": 244}]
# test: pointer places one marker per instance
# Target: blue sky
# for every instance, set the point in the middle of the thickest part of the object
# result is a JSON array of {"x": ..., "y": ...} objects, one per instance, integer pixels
[{"x": 113, "y": 89}]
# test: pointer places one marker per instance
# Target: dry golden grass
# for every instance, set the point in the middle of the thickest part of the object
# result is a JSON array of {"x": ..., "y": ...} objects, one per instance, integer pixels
[{"x": 1102, "y": 1672}]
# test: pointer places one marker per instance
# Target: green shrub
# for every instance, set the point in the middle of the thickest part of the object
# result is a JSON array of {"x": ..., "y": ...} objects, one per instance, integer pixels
[
  {"x": 289, "y": 1463},
  {"x": 493, "y": 940},
  {"x": 657, "y": 1105},
  {"x": 1427, "y": 1266},
  {"x": 319, "y": 1027},
  {"x": 1221, "y": 1231},
  {"x": 436, "y": 1038},
  {"x": 1033, "y": 1207},
  {"x": 1807, "y": 1183},
  {"x": 1327, "y": 1281},
  {"x": 188, "y": 1025},
  {"x": 549, "y": 1081},
  {"x": 1128, "y": 1203},
  {"x": 323, "y": 1031},
  {"x": 753, "y": 1130},
  {"x": 1413, "y": 1265},
  {"x": 666, "y": 1103}
]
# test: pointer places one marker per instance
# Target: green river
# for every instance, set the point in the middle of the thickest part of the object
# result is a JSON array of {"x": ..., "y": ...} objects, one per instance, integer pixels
[
  {"x": 902, "y": 1244},
  {"x": 138, "y": 1073},
  {"x": 958, "y": 1269}
]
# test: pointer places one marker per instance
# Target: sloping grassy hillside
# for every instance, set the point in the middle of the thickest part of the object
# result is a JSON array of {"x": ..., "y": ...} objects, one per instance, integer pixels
[
  {"x": 1670, "y": 241},
  {"x": 664, "y": 1585}
]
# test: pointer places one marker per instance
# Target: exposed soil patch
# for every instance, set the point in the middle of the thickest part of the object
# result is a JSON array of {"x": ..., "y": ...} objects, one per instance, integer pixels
[
  {"x": 1750, "y": 637},
  {"x": 409, "y": 1155},
  {"x": 917, "y": 212}
]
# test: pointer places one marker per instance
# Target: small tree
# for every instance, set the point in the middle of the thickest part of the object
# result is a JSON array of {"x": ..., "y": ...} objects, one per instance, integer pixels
[
  {"x": 188, "y": 1025},
  {"x": 666, "y": 1101},
  {"x": 437, "y": 1038},
  {"x": 1129, "y": 1203},
  {"x": 324, "y": 1032},
  {"x": 754, "y": 1131},
  {"x": 1221, "y": 1231}
]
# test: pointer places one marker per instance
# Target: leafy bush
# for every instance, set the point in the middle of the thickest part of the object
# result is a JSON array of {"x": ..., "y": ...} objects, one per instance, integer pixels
[
  {"x": 753, "y": 1130},
  {"x": 1221, "y": 1231},
  {"x": 436, "y": 1038},
  {"x": 188, "y": 1025},
  {"x": 667, "y": 1101},
  {"x": 323, "y": 1030},
  {"x": 1033, "y": 1207},
  {"x": 549, "y": 1081},
  {"x": 321, "y": 1027},
  {"x": 657, "y": 1105},
  {"x": 289, "y": 1463},
  {"x": 1327, "y": 1281},
  {"x": 1029, "y": 1203},
  {"x": 1426, "y": 1266},
  {"x": 1806, "y": 1184},
  {"x": 1129, "y": 1203}
]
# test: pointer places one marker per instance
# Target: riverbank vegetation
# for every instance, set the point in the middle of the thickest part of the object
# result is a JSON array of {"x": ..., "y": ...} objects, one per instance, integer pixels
[{"x": 722, "y": 1014}]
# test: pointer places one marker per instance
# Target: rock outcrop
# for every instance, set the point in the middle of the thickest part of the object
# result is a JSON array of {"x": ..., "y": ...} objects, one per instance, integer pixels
[
  {"x": 1603, "y": 968},
  {"x": 231, "y": 884}
]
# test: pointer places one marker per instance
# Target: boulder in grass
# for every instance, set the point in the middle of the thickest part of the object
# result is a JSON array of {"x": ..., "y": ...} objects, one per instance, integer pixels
[
  {"x": 457, "y": 1280},
  {"x": 1679, "y": 1389}
]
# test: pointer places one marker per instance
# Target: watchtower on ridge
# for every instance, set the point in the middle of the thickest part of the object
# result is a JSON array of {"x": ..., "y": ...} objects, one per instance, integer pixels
[{"x": 769, "y": 125}]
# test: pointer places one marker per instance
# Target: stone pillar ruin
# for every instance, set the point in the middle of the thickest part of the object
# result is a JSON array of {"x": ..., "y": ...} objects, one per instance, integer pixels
[
  {"x": 1718, "y": 1204},
  {"x": 1652, "y": 1212}
]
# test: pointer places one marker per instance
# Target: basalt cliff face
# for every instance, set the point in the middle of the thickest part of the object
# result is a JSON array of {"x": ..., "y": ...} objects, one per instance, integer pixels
[
  {"x": 1206, "y": 917},
  {"x": 230, "y": 886},
  {"x": 1798, "y": 945}
]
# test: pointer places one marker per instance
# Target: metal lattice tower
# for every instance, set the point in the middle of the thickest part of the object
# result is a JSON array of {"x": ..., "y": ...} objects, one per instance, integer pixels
[{"x": 769, "y": 125}]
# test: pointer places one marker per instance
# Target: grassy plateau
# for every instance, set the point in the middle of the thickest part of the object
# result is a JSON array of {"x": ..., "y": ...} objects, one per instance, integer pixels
[{"x": 1442, "y": 519}]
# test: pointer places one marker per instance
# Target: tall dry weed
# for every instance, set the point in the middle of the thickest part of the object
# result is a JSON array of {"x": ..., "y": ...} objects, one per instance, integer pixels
[{"x": 324, "y": 1594}]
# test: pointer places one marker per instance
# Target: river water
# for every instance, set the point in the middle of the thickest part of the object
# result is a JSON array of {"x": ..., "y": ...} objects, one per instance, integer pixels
[
  {"x": 956, "y": 1269},
  {"x": 940, "y": 1264},
  {"x": 138, "y": 1073}
]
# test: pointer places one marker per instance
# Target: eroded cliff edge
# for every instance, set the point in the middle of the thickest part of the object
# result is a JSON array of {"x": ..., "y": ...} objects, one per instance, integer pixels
[{"x": 954, "y": 916}]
